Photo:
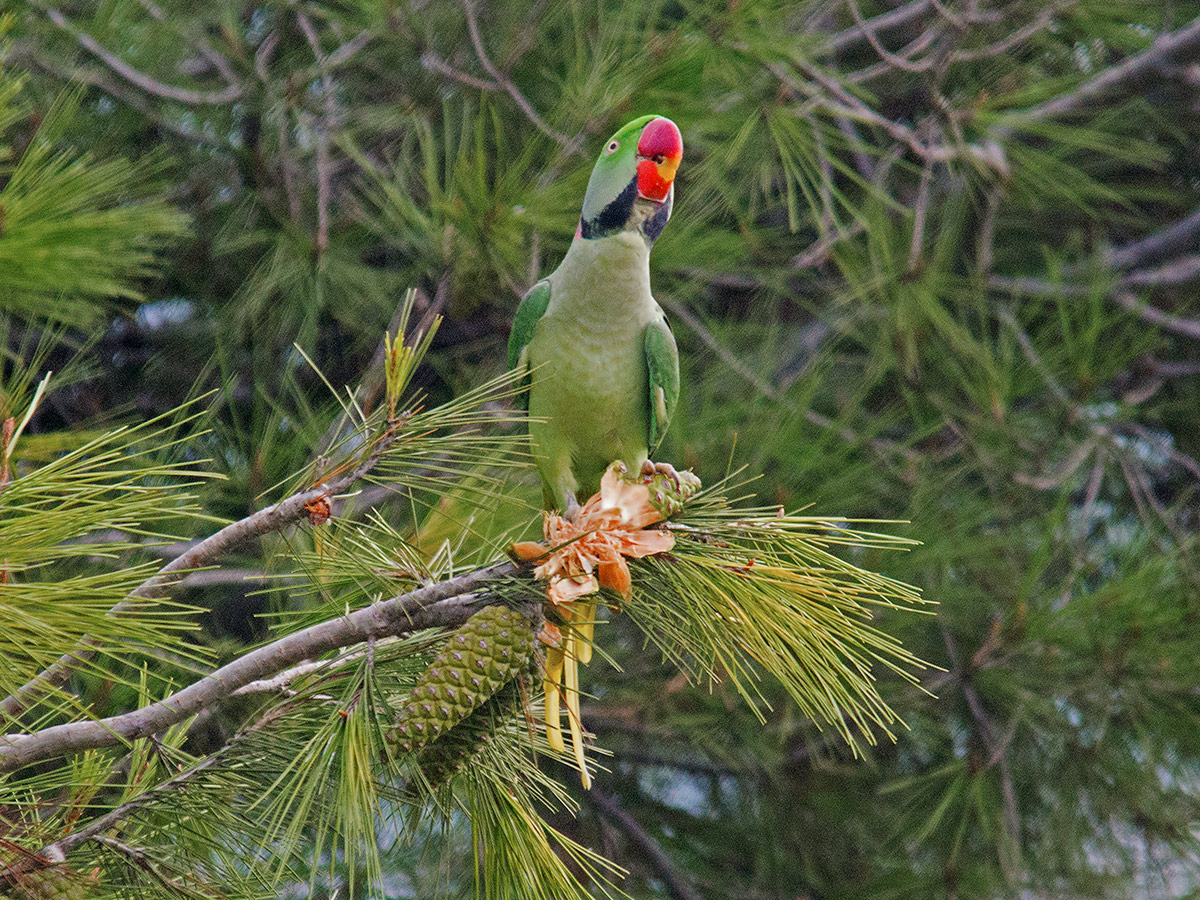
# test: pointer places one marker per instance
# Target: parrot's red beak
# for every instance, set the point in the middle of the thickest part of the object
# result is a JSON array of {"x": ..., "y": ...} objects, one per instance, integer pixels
[{"x": 659, "y": 151}]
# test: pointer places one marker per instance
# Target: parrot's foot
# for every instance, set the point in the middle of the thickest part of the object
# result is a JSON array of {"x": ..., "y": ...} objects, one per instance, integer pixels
[
  {"x": 650, "y": 468},
  {"x": 669, "y": 488},
  {"x": 573, "y": 507}
]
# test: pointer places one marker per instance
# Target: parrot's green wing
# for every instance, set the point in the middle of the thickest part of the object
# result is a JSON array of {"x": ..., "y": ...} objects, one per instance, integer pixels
[
  {"x": 662, "y": 363},
  {"x": 532, "y": 308}
]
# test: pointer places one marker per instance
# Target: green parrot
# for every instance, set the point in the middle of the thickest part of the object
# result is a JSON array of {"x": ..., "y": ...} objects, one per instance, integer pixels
[{"x": 589, "y": 339}]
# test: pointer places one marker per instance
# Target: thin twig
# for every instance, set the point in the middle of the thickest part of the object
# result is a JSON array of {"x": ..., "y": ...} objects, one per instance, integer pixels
[
  {"x": 1154, "y": 315},
  {"x": 676, "y": 883},
  {"x": 892, "y": 59},
  {"x": 1179, "y": 235},
  {"x": 885, "y": 447},
  {"x": 916, "y": 247},
  {"x": 132, "y": 75},
  {"x": 897, "y": 18},
  {"x": 1163, "y": 51},
  {"x": 1041, "y": 22},
  {"x": 430, "y": 60},
  {"x": 570, "y": 145},
  {"x": 216, "y": 58},
  {"x": 324, "y": 124},
  {"x": 1177, "y": 271},
  {"x": 350, "y": 49},
  {"x": 685, "y": 315}
]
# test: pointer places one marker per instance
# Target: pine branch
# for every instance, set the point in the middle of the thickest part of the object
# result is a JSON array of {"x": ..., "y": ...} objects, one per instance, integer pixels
[
  {"x": 676, "y": 882},
  {"x": 1166, "y": 49},
  {"x": 265, "y": 521},
  {"x": 897, "y": 18},
  {"x": 446, "y": 604},
  {"x": 140, "y": 79},
  {"x": 1176, "y": 236},
  {"x": 571, "y": 146}
]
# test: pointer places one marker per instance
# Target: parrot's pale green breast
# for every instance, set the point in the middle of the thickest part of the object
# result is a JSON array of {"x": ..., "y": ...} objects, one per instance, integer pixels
[{"x": 590, "y": 398}]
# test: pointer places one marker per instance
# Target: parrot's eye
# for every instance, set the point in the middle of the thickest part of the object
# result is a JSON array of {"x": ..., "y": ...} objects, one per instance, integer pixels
[
  {"x": 612, "y": 147},
  {"x": 658, "y": 158}
]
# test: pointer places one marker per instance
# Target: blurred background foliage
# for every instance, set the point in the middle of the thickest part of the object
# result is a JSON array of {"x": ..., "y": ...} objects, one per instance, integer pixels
[{"x": 932, "y": 260}]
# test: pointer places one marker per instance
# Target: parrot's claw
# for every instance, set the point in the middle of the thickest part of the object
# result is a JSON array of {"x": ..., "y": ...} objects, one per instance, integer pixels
[
  {"x": 651, "y": 468},
  {"x": 573, "y": 507},
  {"x": 669, "y": 488}
]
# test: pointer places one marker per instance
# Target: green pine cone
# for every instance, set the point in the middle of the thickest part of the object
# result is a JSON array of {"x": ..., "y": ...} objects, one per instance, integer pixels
[
  {"x": 53, "y": 883},
  {"x": 481, "y": 657},
  {"x": 441, "y": 760}
]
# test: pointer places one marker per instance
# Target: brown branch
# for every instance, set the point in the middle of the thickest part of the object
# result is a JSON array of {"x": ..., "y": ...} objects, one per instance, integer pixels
[
  {"x": 272, "y": 518},
  {"x": 570, "y": 145},
  {"x": 676, "y": 882},
  {"x": 217, "y": 59},
  {"x": 892, "y": 59},
  {"x": 448, "y": 603},
  {"x": 1154, "y": 315},
  {"x": 1166, "y": 49},
  {"x": 132, "y": 75},
  {"x": 897, "y": 18},
  {"x": 1180, "y": 235}
]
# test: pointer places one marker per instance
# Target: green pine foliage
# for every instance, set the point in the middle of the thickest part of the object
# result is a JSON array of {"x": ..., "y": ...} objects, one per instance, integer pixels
[{"x": 935, "y": 266}]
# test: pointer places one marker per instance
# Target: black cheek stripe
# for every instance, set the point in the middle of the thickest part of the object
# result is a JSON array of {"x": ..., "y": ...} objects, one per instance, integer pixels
[
  {"x": 613, "y": 217},
  {"x": 653, "y": 226}
]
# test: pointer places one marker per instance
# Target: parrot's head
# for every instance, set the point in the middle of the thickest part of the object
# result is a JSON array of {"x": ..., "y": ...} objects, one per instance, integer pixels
[{"x": 633, "y": 182}]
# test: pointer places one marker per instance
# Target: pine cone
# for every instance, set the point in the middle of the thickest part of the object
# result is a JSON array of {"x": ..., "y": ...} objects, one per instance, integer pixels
[
  {"x": 441, "y": 760},
  {"x": 56, "y": 882},
  {"x": 480, "y": 658}
]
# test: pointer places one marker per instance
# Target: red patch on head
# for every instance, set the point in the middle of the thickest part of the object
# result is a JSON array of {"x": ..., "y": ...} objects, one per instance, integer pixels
[
  {"x": 661, "y": 137},
  {"x": 659, "y": 151}
]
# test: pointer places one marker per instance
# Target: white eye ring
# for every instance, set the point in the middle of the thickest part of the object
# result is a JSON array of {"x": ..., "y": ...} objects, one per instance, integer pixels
[{"x": 612, "y": 147}]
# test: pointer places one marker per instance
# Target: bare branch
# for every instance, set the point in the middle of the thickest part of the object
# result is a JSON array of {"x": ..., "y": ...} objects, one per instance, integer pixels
[
  {"x": 818, "y": 251},
  {"x": 430, "y": 60},
  {"x": 1167, "y": 49},
  {"x": 324, "y": 124},
  {"x": 1041, "y": 22},
  {"x": 570, "y": 145},
  {"x": 348, "y": 50},
  {"x": 675, "y": 881},
  {"x": 706, "y": 337},
  {"x": 1182, "y": 234},
  {"x": 1178, "y": 324},
  {"x": 448, "y": 603},
  {"x": 897, "y": 18},
  {"x": 217, "y": 59},
  {"x": 1178, "y": 271},
  {"x": 771, "y": 392},
  {"x": 892, "y": 59},
  {"x": 132, "y": 75}
]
